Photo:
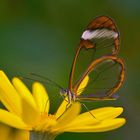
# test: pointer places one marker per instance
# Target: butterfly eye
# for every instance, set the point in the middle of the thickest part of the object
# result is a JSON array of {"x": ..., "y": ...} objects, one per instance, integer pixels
[{"x": 63, "y": 91}]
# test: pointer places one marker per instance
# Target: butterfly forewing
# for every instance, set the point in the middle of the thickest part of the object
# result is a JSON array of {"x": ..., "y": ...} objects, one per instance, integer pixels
[
  {"x": 106, "y": 75},
  {"x": 100, "y": 38}
]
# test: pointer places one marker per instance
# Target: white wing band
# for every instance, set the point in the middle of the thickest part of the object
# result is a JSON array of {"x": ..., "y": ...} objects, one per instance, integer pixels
[{"x": 99, "y": 33}]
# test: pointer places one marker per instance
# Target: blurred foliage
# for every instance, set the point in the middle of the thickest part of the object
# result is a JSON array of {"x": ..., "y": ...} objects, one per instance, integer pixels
[{"x": 41, "y": 36}]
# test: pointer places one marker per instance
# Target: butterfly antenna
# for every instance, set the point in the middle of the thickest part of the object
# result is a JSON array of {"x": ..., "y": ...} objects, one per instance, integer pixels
[
  {"x": 41, "y": 81},
  {"x": 46, "y": 78}
]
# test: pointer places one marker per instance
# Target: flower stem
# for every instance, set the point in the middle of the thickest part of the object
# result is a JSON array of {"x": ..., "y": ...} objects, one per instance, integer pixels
[{"x": 41, "y": 136}]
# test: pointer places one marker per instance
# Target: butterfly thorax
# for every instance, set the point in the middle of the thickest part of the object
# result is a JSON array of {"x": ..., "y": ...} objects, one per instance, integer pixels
[{"x": 69, "y": 94}]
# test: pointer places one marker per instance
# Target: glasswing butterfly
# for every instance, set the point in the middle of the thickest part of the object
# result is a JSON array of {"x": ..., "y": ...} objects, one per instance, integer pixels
[{"x": 103, "y": 70}]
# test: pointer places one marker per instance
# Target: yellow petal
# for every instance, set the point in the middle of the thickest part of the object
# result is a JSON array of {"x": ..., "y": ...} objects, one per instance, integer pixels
[
  {"x": 30, "y": 111},
  {"x": 12, "y": 120},
  {"x": 61, "y": 108},
  {"x": 105, "y": 112},
  {"x": 8, "y": 95},
  {"x": 41, "y": 97},
  {"x": 23, "y": 91},
  {"x": 81, "y": 120},
  {"x": 70, "y": 114},
  {"x": 106, "y": 125},
  {"x": 100, "y": 114},
  {"x": 83, "y": 85}
]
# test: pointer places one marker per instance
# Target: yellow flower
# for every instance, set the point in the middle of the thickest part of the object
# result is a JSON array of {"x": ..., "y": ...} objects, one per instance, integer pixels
[{"x": 29, "y": 112}]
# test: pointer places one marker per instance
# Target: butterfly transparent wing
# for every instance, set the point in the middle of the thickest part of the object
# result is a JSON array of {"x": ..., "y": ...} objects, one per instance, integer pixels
[{"x": 106, "y": 76}]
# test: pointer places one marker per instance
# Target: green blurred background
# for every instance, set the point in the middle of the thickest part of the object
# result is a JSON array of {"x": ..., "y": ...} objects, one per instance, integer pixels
[{"x": 41, "y": 36}]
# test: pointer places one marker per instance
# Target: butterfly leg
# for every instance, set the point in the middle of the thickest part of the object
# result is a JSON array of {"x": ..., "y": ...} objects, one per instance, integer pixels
[
  {"x": 69, "y": 95},
  {"x": 88, "y": 110},
  {"x": 63, "y": 97}
]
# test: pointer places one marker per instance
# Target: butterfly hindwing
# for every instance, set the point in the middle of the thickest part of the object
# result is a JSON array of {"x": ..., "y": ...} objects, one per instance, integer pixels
[{"x": 106, "y": 76}]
